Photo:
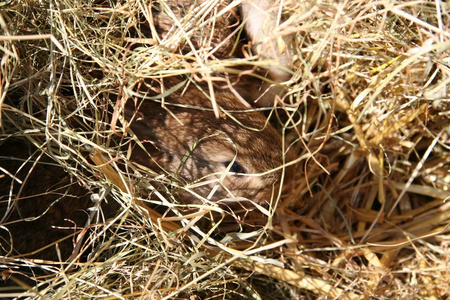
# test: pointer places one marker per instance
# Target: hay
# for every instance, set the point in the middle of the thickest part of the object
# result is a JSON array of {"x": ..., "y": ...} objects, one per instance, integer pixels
[{"x": 367, "y": 108}]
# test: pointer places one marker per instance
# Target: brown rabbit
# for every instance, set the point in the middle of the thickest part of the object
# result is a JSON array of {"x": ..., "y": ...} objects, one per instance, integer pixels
[
  {"x": 238, "y": 154},
  {"x": 201, "y": 149}
]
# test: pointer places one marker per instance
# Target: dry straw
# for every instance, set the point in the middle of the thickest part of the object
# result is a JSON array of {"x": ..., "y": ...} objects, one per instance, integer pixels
[{"x": 367, "y": 109}]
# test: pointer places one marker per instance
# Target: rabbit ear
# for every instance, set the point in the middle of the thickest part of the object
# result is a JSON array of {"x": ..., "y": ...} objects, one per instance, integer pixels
[{"x": 260, "y": 20}]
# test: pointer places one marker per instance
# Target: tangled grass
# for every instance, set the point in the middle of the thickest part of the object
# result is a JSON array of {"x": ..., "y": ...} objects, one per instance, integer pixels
[{"x": 367, "y": 109}]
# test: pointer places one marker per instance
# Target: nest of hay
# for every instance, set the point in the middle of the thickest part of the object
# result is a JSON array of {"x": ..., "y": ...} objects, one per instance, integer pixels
[{"x": 367, "y": 109}]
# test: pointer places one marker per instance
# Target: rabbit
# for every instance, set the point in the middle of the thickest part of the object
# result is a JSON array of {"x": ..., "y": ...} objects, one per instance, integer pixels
[
  {"x": 186, "y": 139},
  {"x": 238, "y": 155}
]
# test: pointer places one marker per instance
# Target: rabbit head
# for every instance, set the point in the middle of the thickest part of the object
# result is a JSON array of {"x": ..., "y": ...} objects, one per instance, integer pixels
[{"x": 237, "y": 155}]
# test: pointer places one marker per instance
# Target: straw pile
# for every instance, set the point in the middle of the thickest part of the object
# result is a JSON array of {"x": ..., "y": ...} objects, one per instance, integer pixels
[{"x": 367, "y": 109}]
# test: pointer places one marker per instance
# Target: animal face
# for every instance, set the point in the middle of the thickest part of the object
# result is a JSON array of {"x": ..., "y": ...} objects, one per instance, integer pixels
[{"x": 235, "y": 155}]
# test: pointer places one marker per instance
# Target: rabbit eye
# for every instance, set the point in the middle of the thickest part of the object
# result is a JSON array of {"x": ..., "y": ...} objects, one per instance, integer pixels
[{"x": 235, "y": 167}]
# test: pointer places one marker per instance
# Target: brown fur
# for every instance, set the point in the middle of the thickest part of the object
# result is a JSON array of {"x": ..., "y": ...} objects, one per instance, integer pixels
[{"x": 210, "y": 143}]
